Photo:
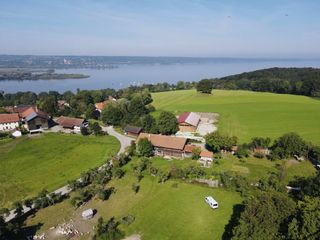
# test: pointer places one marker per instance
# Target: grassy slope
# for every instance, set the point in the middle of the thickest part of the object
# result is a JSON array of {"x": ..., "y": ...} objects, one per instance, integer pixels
[
  {"x": 247, "y": 114},
  {"x": 161, "y": 211},
  {"x": 48, "y": 161}
]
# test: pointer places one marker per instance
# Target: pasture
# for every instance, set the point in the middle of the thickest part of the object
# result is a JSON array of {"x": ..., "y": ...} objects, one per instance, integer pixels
[
  {"x": 161, "y": 211},
  {"x": 248, "y": 114},
  {"x": 173, "y": 210},
  {"x": 30, "y": 164}
]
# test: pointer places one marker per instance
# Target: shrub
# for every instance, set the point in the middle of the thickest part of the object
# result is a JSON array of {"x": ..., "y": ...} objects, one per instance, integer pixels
[
  {"x": 118, "y": 172},
  {"x": 196, "y": 153},
  {"x": 289, "y": 145},
  {"x": 167, "y": 123},
  {"x": 217, "y": 141},
  {"x": 128, "y": 219},
  {"x": 204, "y": 86},
  {"x": 145, "y": 148},
  {"x": 258, "y": 155},
  {"x": 135, "y": 188}
]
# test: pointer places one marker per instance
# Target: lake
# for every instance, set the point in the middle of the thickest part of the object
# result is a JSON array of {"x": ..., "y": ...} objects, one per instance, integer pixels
[{"x": 137, "y": 74}]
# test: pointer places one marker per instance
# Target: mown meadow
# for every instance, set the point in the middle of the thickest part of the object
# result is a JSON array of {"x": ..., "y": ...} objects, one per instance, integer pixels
[
  {"x": 30, "y": 164},
  {"x": 248, "y": 114}
]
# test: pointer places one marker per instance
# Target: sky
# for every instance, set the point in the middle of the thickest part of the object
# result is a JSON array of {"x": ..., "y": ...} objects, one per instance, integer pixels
[{"x": 195, "y": 28}]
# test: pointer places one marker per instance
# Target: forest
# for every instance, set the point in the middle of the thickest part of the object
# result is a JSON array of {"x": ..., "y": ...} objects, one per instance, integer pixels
[{"x": 298, "y": 81}]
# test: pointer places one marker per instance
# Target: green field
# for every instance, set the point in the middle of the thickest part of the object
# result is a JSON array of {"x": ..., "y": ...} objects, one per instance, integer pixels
[
  {"x": 165, "y": 211},
  {"x": 161, "y": 211},
  {"x": 30, "y": 164},
  {"x": 248, "y": 114}
]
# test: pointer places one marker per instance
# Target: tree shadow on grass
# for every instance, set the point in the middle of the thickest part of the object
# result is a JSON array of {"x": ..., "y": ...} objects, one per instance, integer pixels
[
  {"x": 20, "y": 231},
  {"x": 233, "y": 222}
]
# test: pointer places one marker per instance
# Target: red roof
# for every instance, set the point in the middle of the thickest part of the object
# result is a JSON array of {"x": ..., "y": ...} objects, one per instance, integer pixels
[
  {"x": 9, "y": 118},
  {"x": 189, "y": 148},
  {"x": 100, "y": 105},
  {"x": 28, "y": 111},
  {"x": 182, "y": 118},
  {"x": 18, "y": 109},
  {"x": 190, "y": 118},
  {"x": 206, "y": 154},
  {"x": 69, "y": 122}
]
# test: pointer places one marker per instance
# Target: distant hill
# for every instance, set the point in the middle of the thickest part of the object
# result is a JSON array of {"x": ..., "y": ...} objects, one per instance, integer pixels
[{"x": 299, "y": 81}]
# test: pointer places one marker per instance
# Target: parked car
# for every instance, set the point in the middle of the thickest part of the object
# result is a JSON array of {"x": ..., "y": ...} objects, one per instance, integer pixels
[{"x": 212, "y": 203}]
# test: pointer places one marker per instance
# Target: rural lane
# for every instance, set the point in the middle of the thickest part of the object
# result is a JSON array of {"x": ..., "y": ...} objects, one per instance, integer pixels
[{"x": 124, "y": 142}]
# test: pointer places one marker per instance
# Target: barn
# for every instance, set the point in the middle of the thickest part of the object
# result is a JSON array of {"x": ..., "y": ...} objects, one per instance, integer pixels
[{"x": 188, "y": 122}]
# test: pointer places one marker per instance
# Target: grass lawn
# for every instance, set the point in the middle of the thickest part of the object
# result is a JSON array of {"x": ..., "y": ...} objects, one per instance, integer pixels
[
  {"x": 30, "y": 164},
  {"x": 249, "y": 114},
  {"x": 251, "y": 168},
  {"x": 161, "y": 211}
]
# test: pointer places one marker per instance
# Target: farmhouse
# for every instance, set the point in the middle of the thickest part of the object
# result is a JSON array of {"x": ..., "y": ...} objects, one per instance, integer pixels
[
  {"x": 168, "y": 146},
  {"x": 9, "y": 122},
  {"x": 188, "y": 122},
  {"x": 18, "y": 109},
  {"x": 36, "y": 121},
  {"x": 132, "y": 131},
  {"x": 72, "y": 123}
]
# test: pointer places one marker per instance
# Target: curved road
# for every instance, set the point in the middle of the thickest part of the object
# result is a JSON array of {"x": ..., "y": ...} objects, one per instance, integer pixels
[{"x": 124, "y": 143}]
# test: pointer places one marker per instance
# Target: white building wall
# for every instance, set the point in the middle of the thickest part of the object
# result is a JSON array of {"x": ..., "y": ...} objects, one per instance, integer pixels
[{"x": 8, "y": 126}]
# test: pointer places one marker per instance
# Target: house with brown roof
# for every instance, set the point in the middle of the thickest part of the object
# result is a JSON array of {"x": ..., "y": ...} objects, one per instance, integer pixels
[
  {"x": 206, "y": 158},
  {"x": 9, "y": 121},
  {"x": 101, "y": 105},
  {"x": 188, "y": 122},
  {"x": 166, "y": 146},
  {"x": 72, "y": 123},
  {"x": 132, "y": 131},
  {"x": 18, "y": 109}
]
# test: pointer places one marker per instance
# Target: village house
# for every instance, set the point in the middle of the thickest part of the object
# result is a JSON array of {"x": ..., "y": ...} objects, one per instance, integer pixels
[
  {"x": 62, "y": 104},
  {"x": 166, "y": 146},
  {"x": 132, "y": 131},
  {"x": 31, "y": 118},
  {"x": 18, "y": 109},
  {"x": 36, "y": 121},
  {"x": 74, "y": 124},
  {"x": 101, "y": 105},
  {"x": 9, "y": 121},
  {"x": 206, "y": 158},
  {"x": 188, "y": 122}
]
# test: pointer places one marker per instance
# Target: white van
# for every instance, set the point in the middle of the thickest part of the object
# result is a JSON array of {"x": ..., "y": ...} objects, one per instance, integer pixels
[{"x": 212, "y": 203}]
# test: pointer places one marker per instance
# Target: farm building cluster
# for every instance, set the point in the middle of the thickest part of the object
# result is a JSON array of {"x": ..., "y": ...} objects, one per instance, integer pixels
[
  {"x": 176, "y": 147},
  {"x": 28, "y": 116},
  {"x": 192, "y": 127},
  {"x": 31, "y": 119}
]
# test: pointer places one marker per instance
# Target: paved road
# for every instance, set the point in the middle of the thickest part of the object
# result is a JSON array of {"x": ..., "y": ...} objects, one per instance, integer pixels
[{"x": 124, "y": 142}]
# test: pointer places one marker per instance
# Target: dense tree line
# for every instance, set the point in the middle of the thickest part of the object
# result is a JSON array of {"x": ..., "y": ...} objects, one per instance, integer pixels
[
  {"x": 93, "y": 96},
  {"x": 299, "y": 81},
  {"x": 289, "y": 145}
]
